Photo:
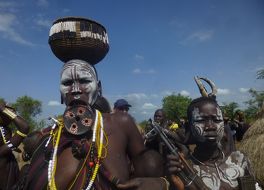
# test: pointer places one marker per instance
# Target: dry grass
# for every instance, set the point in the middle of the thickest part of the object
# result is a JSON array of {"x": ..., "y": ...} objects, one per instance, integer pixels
[{"x": 253, "y": 146}]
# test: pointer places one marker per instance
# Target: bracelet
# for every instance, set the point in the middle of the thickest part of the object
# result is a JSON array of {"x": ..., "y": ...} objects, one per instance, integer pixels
[
  {"x": 21, "y": 134},
  {"x": 10, "y": 145},
  {"x": 167, "y": 183},
  {"x": 9, "y": 113}
]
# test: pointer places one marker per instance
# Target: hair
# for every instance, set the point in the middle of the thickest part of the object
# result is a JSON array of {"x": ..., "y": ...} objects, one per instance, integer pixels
[
  {"x": 160, "y": 110},
  {"x": 102, "y": 105},
  {"x": 197, "y": 102}
]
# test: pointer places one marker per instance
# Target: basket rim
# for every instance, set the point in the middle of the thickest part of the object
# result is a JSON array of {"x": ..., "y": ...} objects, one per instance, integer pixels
[{"x": 76, "y": 18}]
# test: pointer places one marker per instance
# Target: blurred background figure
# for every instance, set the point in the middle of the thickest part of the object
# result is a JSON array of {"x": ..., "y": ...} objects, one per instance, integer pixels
[
  {"x": 160, "y": 118},
  {"x": 121, "y": 105}
]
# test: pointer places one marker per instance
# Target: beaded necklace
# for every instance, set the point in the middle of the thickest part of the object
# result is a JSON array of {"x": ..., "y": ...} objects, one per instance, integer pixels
[
  {"x": 53, "y": 161},
  {"x": 97, "y": 139},
  {"x": 99, "y": 125},
  {"x": 3, "y": 134}
]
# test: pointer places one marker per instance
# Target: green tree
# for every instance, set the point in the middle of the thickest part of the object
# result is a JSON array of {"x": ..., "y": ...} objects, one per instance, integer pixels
[
  {"x": 229, "y": 109},
  {"x": 260, "y": 74},
  {"x": 143, "y": 124},
  {"x": 175, "y": 106},
  {"x": 2, "y": 100},
  {"x": 28, "y": 108},
  {"x": 255, "y": 104},
  {"x": 257, "y": 98}
]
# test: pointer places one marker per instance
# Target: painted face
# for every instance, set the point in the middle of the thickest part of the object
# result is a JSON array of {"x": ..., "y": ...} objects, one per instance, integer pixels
[
  {"x": 207, "y": 123},
  {"x": 78, "y": 83}
]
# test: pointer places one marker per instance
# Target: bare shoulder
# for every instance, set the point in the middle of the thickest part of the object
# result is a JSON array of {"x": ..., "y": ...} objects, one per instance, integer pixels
[{"x": 118, "y": 121}]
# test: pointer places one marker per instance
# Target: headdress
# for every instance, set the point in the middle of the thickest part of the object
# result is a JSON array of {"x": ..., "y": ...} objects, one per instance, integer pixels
[{"x": 78, "y": 38}]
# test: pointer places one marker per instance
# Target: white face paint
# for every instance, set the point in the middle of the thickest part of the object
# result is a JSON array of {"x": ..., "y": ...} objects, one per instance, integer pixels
[
  {"x": 78, "y": 78},
  {"x": 207, "y": 123}
]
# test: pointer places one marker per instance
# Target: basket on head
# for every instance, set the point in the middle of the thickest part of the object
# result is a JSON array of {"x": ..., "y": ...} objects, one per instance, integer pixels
[{"x": 78, "y": 38}]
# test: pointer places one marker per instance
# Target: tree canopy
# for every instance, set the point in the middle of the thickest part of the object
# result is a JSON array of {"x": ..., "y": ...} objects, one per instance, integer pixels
[
  {"x": 28, "y": 108},
  {"x": 229, "y": 109},
  {"x": 175, "y": 106}
]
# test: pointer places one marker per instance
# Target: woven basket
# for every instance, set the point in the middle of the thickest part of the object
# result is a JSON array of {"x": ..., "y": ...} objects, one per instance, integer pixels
[{"x": 78, "y": 38}]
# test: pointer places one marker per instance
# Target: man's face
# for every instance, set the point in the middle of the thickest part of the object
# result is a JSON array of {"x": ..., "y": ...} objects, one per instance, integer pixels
[
  {"x": 207, "y": 123},
  {"x": 78, "y": 83},
  {"x": 159, "y": 117}
]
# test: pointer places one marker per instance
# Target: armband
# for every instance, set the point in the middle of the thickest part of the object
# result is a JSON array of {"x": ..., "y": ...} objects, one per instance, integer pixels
[
  {"x": 9, "y": 113},
  {"x": 166, "y": 182},
  {"x": 21, "y": 134}
]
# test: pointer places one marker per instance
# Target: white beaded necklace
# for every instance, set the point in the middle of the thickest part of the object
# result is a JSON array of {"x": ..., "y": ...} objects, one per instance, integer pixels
[{"x": 3, "y": 134}]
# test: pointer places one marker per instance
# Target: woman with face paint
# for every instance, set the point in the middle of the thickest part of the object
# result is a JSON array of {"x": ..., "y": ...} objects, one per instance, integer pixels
[
  {"x": 217, "y": 169},
  {"x": 93, "y": 147}
]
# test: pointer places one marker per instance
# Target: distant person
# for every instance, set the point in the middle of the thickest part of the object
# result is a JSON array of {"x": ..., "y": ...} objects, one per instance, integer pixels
[
  {"x": 241, "y": 125},
  {"x": 121, "y": 105},
  {"x": 160, "y": 118},
  {"x": 152, "y": 140}
]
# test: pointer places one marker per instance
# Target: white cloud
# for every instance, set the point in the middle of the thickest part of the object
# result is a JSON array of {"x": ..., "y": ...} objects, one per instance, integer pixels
[
  {"x": 185, "y": 93},
  {"x": 221, "y": 91},
  {"x": 54, "y": 103},
  {"x": 6, "y": 4},
  {"x": 198, "y": 37},
  {"x": 260, "y": 58},
  {"x": 66, "y": 10},
  {"x": 43, "y": 3},
  {"x": 167, "y": 93},
  {"x": 137, "y": 71},
  {"x": 148, "y": 106},
  {"x": 144, "y": 113},
  {"x": 154, "y": 96},
  {"x": 137, "y": 96},
  {"x": 7, "y": 29},
  {"x": 201, "y": 36},
  {"x": 243, "y": 90},
  {"x": 151, "y": 71},
  {"x": 139, "y": 57},
  {"x": 44, "y": 22}
]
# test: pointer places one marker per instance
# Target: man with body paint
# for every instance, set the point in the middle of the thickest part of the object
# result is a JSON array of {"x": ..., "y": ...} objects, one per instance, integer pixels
[{"x": 218, "y": 169}]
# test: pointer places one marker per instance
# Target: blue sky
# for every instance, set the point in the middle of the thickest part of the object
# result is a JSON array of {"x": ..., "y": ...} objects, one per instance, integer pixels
[{"x": 156, "y": 48}]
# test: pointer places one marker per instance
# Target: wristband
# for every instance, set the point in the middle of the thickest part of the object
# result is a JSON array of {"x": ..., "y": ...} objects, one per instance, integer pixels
[
  {"x": 21, "y": 134},
  {"x": 10, "y": 145},
  {"x": 9, "y": 113}
]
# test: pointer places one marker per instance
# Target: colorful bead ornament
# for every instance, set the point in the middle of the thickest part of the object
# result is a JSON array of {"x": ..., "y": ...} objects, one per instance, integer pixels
[
  {"x": 93, "y": 163},
  {"x": 98, "y": 124}
]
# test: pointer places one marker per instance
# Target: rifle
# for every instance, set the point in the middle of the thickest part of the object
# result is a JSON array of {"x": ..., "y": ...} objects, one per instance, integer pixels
[{"x": 187, "y": 174}]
